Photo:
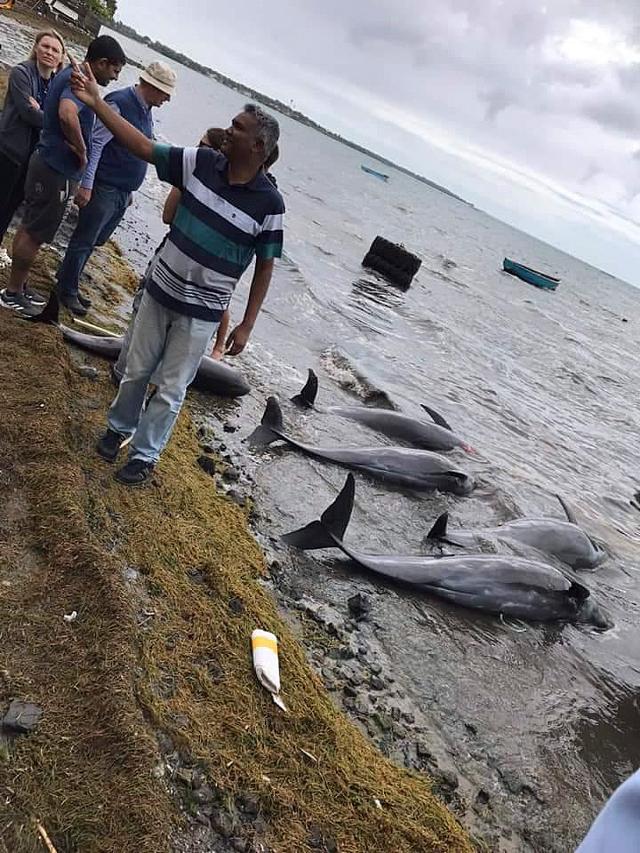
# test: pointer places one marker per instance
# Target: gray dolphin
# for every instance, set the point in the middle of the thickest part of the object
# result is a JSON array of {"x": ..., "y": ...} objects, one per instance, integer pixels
[
  {"x": 403, "y": 466},
  {"x": 513, "y": 586},
  {"x": 429, "y": 436},
  {"x": 213, "y": 376},
  {"x": 563, "y": 540}
]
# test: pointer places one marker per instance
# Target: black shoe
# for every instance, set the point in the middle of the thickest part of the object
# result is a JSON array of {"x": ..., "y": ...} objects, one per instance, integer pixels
[
  {"x": 19, "y": 303},
  {"x": 84, "y": 301},
  {"x": 33, "y": 296},
  {"x": 109, "y": 445},
  {"x": 135, "y": 473},
  {"x": 73, "y": 304}
]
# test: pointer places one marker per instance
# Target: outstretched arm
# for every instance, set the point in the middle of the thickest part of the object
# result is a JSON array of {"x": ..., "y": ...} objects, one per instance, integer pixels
[
  {"x": 259, "y": 287},
  {"x": 221, "y": 336},
  {"x": 85, "y": 88}
]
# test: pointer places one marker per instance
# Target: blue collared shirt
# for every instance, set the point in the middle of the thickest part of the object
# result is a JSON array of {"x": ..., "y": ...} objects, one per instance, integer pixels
[{"x": 102, "y": 136}]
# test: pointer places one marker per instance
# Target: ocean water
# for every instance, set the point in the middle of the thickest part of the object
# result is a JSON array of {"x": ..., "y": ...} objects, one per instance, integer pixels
[{"x": 545, "y": 387}]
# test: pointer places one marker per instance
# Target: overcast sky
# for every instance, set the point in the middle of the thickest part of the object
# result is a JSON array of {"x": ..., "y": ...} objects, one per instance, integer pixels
[{"x": 543, "y": 97}]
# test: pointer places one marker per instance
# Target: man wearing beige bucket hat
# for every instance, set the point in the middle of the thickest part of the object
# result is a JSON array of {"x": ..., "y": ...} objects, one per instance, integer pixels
[{"x": 111, "y": 176}]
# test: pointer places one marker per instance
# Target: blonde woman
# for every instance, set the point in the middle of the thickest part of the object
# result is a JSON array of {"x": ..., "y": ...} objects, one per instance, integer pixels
[{"x": 21, "y": 119}]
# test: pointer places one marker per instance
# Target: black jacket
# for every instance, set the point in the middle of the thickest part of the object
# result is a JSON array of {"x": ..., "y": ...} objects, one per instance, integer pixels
[{"x": 20, "y": 123}]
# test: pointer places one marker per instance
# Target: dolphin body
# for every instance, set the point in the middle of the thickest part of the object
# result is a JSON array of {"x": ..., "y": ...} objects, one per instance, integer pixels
[
  {"x": 213, "y": 376},
  {"x": 403, "y": 466},
  {"x": 512, "y": 586},
  {"x": 430, "y": 436},
  {"x": 563, "y": 540}
]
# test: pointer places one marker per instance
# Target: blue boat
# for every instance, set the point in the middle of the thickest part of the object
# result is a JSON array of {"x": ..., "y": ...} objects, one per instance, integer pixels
[
  {"x": 531, "y": 276},
  {"x": 375, "y": 174}
]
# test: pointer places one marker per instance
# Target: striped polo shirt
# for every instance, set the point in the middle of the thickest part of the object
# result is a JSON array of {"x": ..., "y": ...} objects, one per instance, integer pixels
[{"x": 217, "y": 230}]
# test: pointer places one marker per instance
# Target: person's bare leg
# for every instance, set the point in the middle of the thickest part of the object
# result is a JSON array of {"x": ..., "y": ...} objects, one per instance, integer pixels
[{"x": 25, "y": 250}]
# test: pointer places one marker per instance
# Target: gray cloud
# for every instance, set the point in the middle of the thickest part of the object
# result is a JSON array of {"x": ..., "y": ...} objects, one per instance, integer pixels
[
  {"x": 509, "y": 78},
  {"x": 620, "y": 115}
]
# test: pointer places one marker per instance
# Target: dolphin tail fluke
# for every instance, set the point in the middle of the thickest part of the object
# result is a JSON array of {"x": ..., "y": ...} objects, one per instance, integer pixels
[
  {"x": 436, "y": 417},
  {"x": 270, "y": 427},
  {"x": 50, "y": 314},
  {"x": 567, "y": 510},
  {"x": 307, "y": 397},
  {"x": 439, "y": 529},
  {"x": 330, "y": 530}
]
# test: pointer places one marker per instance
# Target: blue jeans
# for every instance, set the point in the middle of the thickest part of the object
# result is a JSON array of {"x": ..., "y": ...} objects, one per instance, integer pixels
[
  {"x": 96, "y": 223},
  {"x": 121, "y": 364},
  {"x": 169, "y": 346}
]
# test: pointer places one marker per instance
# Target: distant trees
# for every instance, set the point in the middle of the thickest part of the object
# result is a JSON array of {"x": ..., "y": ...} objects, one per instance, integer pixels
[{"x": 103, "y": 8}]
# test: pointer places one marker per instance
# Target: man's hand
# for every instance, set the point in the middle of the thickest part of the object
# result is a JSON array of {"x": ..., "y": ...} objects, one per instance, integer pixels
[
  {"x": 33, "y": 103},
  {"x": 84, "y": 85},
  {"x": 82, "y": 197},
  {"x": 238, "y": 338},
  {"x": 217, "y": 353}
]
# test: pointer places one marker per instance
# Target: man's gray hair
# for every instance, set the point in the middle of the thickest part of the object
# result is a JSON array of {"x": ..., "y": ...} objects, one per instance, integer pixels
[{"x": 268, "y": 127}]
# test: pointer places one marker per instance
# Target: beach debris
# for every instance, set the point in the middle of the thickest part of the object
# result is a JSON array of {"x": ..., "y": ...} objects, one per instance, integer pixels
[
  {"x": 42, "y": 832},
  {"x": 87, "y": 371},
  {"x": 264, "y": 646},
  {"x": 309, "y": 755},
  {"x": 70, "y": 617},
  {"x": 85, "y": 324},
  {"x": 22, "y": 717},
  {"x": 377, "y": 803}
]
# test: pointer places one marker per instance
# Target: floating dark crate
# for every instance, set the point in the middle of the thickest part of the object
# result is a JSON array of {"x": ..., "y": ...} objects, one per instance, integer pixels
[{"x": 394, "y": 262}]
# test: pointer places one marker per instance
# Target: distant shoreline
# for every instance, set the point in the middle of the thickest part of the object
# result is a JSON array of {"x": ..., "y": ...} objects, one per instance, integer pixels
[{"x": 270, "y": 102}]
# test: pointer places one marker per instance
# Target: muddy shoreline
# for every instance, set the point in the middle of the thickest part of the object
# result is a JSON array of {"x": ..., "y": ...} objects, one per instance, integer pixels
[{"x": 342, "y": 626}]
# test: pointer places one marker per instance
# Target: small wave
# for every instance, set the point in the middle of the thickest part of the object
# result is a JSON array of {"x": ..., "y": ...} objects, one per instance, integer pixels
[{"x": 347, "y": 376}]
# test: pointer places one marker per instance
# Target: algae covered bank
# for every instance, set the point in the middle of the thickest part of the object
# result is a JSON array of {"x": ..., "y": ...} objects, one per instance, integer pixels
[{"x": 154, "y": 734}]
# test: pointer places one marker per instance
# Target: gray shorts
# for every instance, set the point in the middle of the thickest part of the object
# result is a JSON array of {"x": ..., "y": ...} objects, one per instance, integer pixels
[{"x": 46, "y": 194}]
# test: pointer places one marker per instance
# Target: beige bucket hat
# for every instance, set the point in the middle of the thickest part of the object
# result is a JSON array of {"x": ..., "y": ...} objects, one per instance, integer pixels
[{"x": 159, "y": 75}]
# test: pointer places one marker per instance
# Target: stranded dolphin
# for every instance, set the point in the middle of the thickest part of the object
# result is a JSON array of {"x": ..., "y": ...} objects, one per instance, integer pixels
[
  {"x": 404, "y": 466},
  {"x": 513, "y": 586},
  {"x": 429, "y": 436},
  {"x": 213, "y": 376},
  {"x": 563, "y": 540}
]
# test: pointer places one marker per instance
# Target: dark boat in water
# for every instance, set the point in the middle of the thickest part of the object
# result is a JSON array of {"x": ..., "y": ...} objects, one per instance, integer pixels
[
  {"x": 531, "y": 276},
  {"x": 375, "y": 174}
]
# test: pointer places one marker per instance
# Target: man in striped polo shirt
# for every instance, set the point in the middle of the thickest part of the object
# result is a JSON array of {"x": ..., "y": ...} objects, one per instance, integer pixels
[{"x": 229, "y": 212}]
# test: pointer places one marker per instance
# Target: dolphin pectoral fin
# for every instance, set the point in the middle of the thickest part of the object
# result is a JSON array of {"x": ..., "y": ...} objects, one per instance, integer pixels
[
  {"x": 307, "y": 397},
  {"x": 329, "y": 531},
  {"x": 50, "y": 314},
  {"x": 270, "y": 426},
  {"x": 436, "y": 417},
  {"x": 567, "y": 511},
  {"x": 439, "y": 529}
]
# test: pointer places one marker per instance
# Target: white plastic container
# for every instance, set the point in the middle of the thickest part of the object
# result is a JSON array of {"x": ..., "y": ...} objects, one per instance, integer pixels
[{"x": 264, "y": 646}]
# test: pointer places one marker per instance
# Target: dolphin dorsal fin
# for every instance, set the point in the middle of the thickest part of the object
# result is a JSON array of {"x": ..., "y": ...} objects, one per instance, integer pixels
[
  {"x": 436, "y": 417},
  {"x": 307, "y": 397},
  {"x": 439, "y": 529},
  {"x": 567, "y": 510}
]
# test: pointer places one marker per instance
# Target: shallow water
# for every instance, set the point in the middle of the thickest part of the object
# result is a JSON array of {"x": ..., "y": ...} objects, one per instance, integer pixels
[{"x": 543, "y": 385}]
